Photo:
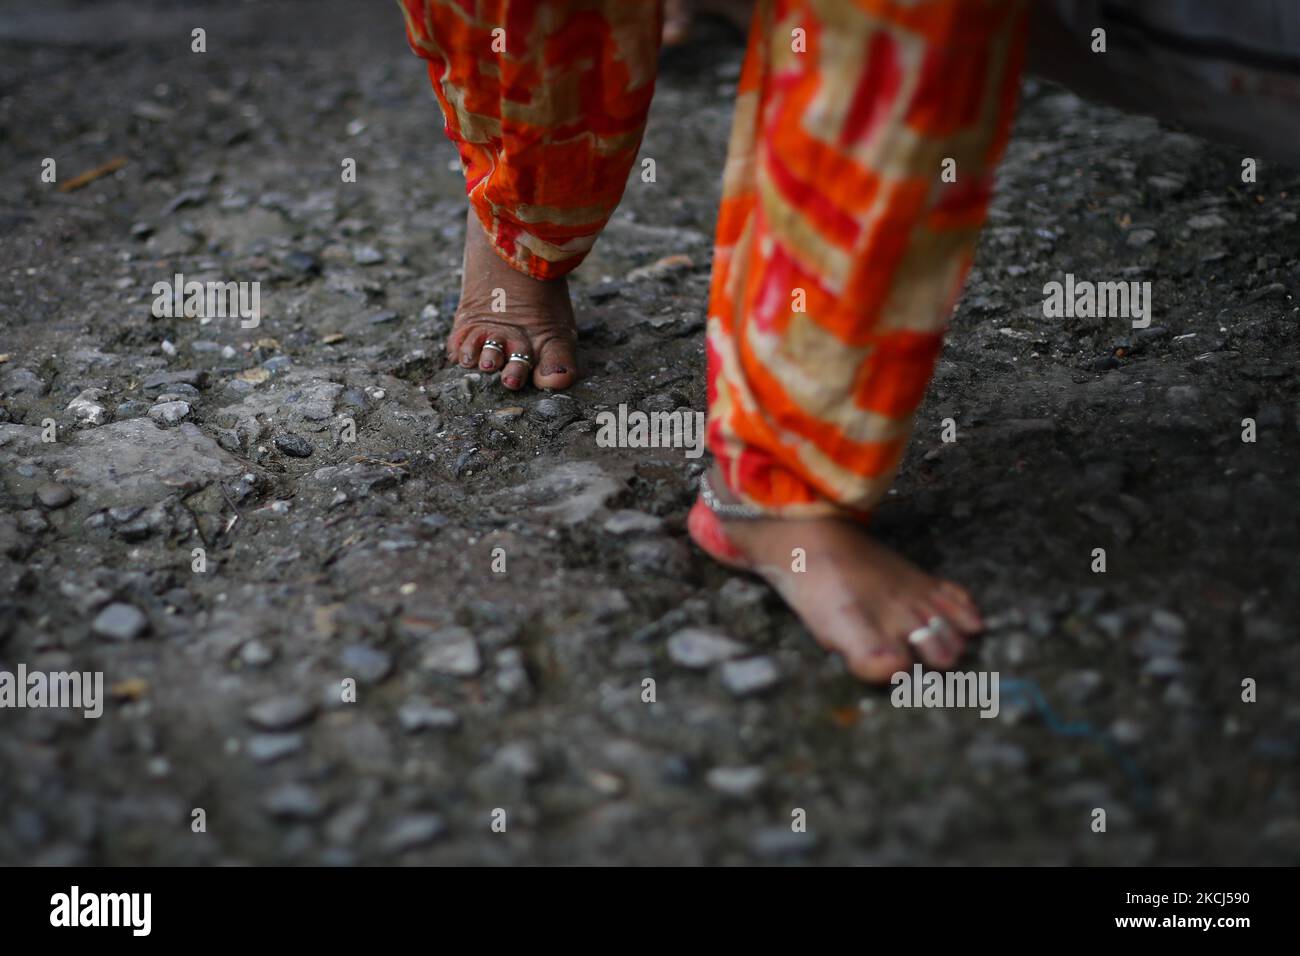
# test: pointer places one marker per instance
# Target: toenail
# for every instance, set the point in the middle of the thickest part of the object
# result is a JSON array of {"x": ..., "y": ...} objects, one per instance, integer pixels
[
  {"x": 486, "y": 363},
  {"x": 512, "y": 382}
]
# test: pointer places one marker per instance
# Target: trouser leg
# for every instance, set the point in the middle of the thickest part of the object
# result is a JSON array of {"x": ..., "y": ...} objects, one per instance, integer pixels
[
  {"x": 841, "y": 249},
  {"x": 546, "y": 103}
]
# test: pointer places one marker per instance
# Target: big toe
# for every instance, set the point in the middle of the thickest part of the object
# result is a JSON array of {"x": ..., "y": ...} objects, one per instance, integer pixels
[{"x": 556, "y": 367}]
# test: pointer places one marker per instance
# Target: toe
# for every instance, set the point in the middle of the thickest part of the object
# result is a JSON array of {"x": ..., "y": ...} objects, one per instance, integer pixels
[
  {"x": 515, "y": 374},
  {"x": 944, "y": 645},
  {"x": 556, "y": 365},
  {"x": 956, "y": 604},
  {"x": 677, "y": 22},
  {"x": 877, "y": 660},
  {"x": 871, "y": 653},
  {"x": 471, "y": 345},
  {"x": 492, "y": 359}
]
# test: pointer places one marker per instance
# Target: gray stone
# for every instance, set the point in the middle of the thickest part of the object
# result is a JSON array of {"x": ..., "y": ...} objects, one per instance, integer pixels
[
  {"x": 294, "y": 801},
  {"x": 697, "y": 648},
  {"x": 268, "y": 748},
  {"x": 159, "y": 380},
  {"x": 138, "y": 463},
  {"x": 1274, "y": 290},
  {"x": 256, "y": 654},
  {"x": 1168, "y": 624},
  {"x": 1138, "y": 238},
  {"x": 750, "y": 676},
  {"x": 632, "y": 522},
  {"x": 572, "y": 491},
  {"x": 777, "y": 841},
  {"x": 31, "y": 521},
  {"x": 120, "y": 622},
  {"x": 178, "y": 392},
  {"x": 293, "y": 445},
  {"x": 512, "y": 676},
  {"x": 170, "y": 412},
  {"x": 87, "y": 407},
  {"x": 1127, "y": 731},
  {"x": 413, "y": 830},
  {"x": 666, "y": 557},
  {"x": 281, "y": 713},
  {"x": 739, "y": 782},
  {"x": 1166, "y": 185},
  {"x": 1163, "y": 667},
  {"x": 53, "y": 495},
  {"x": 519, "y": 759},
  {"x": 456, "y": 654},
  {"x": 369, "y": 665},
  {"x": 22, "y": 381},
  {"x": 556, "y": 408},
  {"x": 418, "y": 715}
]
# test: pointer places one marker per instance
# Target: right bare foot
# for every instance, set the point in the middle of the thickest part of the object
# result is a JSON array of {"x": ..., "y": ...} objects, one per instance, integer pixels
[
  {"x": 531, "y": 317},
  {"x": 857, "y": 597}
]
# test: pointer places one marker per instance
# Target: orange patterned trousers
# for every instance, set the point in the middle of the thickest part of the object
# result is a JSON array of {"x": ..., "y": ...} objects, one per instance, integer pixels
[{"x": 859, "y": 172}]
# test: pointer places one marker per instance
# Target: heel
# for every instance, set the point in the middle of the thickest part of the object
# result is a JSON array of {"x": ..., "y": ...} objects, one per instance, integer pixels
[{"x": 705, "y": 529}]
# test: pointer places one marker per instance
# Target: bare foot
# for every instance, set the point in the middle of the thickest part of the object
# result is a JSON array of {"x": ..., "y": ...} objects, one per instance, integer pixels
[
  {"x": 679, "y": 15},
  {"x": 525, "y": 315},
  {"x": 855, "y": 596}
]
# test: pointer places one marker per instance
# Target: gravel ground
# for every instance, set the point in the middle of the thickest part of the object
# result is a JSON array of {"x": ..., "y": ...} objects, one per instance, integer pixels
[{"x": 515, "y": 695}]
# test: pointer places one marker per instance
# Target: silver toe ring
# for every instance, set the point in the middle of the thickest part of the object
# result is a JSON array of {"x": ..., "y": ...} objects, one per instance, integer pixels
[{"x": 928, "y": 630}]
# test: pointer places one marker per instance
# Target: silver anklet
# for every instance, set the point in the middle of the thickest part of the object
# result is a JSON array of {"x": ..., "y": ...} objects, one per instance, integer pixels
[{"x": 742, "y": 512}]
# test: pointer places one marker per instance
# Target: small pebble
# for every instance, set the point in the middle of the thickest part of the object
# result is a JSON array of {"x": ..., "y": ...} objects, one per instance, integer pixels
[
  {"x": 293, "y": 445},
  {"x": 120, "y": 622},
  {"x": 170, "y": 412},
  {"x": 739, "y": 782},
  {"x": 409, "y": 832},
  {"x": 418, "y": 715},
  {"x": 367, "y": 664},
  {"x": 293, "y": 801},
  {"x": 697, "y": 648},
  {"x": 268, "y": 748},
  {"x": 281, "y": 713},
  {"x": 750, "y": 676},
  {"x": 459, "y": 657},
  {"x": 53, "y": 495},
  {"x": 256, "y": 654}
]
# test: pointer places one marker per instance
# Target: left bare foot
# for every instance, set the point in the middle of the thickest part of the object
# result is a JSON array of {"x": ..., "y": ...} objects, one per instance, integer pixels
[
  {"x": 498, "y": 303},
  {"x": 680, "y": 14}
]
